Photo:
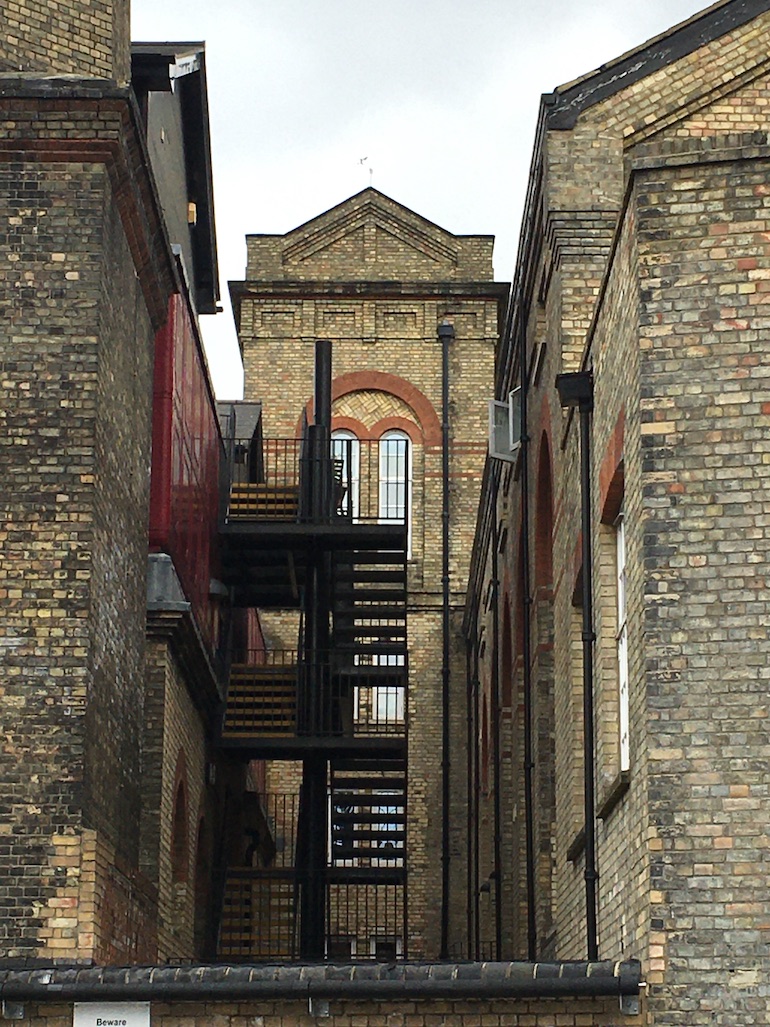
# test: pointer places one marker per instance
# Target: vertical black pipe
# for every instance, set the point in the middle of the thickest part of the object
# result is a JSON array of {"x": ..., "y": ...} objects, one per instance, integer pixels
[
  {"x": 476, "y": 802},
  {"x": 495, "y": 684},
  {"x": 446, "y": 334},
  {"x": 469, "y": 775},
  {"x": 588, "y": 636},
  {"x": 526, "y": 616}
]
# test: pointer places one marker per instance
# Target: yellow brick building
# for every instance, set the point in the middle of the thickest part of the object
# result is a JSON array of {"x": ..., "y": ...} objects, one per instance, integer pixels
[{"x": 376, "y": 281}]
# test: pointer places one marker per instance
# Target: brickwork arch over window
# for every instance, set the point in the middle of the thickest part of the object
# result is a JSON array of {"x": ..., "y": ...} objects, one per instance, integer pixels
[{"x": 413, "y": 404}]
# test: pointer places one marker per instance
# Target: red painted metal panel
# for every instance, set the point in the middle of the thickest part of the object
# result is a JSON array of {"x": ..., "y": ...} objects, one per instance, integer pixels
[{"x": 185, "y": 466}]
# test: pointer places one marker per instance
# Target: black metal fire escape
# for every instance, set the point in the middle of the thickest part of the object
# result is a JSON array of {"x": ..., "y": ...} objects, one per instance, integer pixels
[{"x": 325, "y": 875}]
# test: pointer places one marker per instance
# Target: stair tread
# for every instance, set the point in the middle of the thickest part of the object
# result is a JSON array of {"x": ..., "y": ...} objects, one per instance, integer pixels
[{"x": 347, "y": 784}]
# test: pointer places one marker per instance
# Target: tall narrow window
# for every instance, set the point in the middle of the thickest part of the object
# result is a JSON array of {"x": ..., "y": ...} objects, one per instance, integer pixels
[
  {"x": 395, "y": 476},
  {"x": 622, "y": 642},
  {"x": 346, "y": 455},
  {"x": 179, "y": 836}
]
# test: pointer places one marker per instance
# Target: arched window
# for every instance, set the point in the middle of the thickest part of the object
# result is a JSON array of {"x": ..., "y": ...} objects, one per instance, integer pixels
[
  {"x": 179, "y": 856},
  {"x": 395, "y": 476},
  {"x": 346, "y": 454}
]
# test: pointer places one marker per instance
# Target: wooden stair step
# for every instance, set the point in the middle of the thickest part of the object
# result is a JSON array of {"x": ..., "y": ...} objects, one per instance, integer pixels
[
  {"x": 363, "y": 799},
  {"x": 276, "y": 697},
  {"x": 351, "y": 783},
  {"x": 240, "y": 670},
  {"x": 260, "y": 730}
]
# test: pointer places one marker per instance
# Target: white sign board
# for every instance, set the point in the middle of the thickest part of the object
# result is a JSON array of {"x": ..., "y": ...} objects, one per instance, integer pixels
[{"x": 111, "y": 1014}]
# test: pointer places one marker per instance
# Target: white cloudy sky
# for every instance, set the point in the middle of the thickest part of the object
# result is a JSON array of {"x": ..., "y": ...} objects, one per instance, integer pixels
[{"x": 439, "y": 96}]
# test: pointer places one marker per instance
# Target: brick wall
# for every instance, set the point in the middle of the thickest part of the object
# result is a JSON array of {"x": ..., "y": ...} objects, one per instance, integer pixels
[
  {"x": 519, "y": 1013},
  {"x": 76, "y": 361},
  {"x": 668, "y": 307},
  {"x": 77, "y": 38},
  {"x": 175, "y": 755}
]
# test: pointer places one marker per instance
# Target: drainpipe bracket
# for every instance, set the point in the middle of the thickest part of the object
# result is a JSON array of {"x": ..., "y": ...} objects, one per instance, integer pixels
[
  {"x": 318, "y": 1007},
  {"x": 630, "y": 1005}
]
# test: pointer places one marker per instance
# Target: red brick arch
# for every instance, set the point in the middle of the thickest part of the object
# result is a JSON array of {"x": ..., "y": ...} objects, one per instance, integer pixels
[
  {"x": 382, "y": 381},
  {"x": 358, "y": 428},
  {"x": 386, "y": 424}
]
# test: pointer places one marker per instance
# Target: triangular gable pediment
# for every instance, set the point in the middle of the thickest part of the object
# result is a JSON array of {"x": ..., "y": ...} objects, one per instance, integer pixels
[{"x": 372, "y": 233}]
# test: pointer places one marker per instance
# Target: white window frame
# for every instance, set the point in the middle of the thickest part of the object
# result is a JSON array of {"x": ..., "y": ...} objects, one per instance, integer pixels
[
  {"x": 621, "y": 643},
  {"x": 505, "y": 426},
  {"x": 386, "y": 482}
]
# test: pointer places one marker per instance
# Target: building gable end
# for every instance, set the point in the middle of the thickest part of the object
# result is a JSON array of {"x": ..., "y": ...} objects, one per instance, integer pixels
[{"x": 367, "y": 224}]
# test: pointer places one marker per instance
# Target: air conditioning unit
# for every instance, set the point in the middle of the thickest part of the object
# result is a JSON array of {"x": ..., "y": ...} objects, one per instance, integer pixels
[{"x": 505, "y": 426}]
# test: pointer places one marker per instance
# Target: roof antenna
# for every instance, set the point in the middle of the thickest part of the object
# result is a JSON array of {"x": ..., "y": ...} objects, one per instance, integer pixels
[{"x": 363, "y": 162}]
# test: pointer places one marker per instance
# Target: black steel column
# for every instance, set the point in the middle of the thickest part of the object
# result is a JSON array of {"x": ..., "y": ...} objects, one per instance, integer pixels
[
  {"x": 495, "y": 687},
  {"x": 320, "y": 719},
  {"x": 313, "y": 873}
]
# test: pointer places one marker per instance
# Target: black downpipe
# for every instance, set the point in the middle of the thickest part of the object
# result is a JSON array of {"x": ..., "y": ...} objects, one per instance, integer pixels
[
  {"x": 469, "y": 805},
  {"x": 589, "y": 638},
  {"x": 526, "y": 613},
  {"x": 476, "y": 803},
  {"x": 497, "y": 845},
  {"x": 446, "y": 334}
]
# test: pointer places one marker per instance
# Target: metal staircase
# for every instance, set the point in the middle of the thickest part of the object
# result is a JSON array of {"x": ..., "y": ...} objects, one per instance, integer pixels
[
  {"x": 369, "y": 606},
  {"x": 298, "y": 533},
  {"x": 368, "y": 813}
]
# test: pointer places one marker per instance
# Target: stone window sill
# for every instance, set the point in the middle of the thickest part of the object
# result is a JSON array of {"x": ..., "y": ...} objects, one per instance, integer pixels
[
  {"x": 611, "y": 799},
  {"x": 613, "y": 794}
]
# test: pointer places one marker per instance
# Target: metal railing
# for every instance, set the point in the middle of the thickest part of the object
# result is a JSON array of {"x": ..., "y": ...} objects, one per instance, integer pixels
[
  {"x": 323, "y": 694},
  {"x": 365, "y": 902},
  {"x": 319, "y": 479}
]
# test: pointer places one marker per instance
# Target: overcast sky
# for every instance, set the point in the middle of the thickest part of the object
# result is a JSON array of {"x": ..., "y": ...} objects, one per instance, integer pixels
[{"x": 438, "y": 98}]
